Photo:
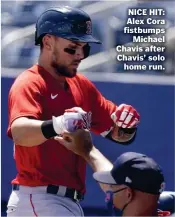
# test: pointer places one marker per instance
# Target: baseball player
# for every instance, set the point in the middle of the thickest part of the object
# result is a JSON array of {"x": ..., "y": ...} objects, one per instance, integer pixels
[
  {"x": 45, "y": 100},
  {"x": 132, "y": 184}
]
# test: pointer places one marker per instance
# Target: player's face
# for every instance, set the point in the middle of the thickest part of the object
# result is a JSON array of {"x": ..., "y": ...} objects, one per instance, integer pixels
[
  {"x": 120, "y": 197},
  {"x": 66, "y": 56}
]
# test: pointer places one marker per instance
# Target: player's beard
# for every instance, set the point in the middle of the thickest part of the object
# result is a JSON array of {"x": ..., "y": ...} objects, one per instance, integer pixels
[{"x": 62, "y": 69}]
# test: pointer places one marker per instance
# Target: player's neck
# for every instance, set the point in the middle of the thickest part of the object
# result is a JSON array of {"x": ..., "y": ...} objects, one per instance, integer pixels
[
  {"x": 140, "y": 210},
  {"x": 44, "y": 63},
  {"x": 137, "y": 213}
]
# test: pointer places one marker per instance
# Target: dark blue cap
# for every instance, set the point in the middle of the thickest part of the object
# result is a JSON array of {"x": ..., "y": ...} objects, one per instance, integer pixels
[
  {"x": 135, "y": 170},
  {"x": 65, "y": 22}
]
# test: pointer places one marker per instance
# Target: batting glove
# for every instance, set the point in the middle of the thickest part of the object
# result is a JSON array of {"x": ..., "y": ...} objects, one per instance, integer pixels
[
  {"x": 73, "y": 119},
  {"x": 126, "y": 116}
]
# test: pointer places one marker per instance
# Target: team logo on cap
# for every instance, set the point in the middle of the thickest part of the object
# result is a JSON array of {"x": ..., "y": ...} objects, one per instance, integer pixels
[
  {"x": 88, "y": 27},
  {"x": 128, "y": 180},
  {"x": 162, "y": 187}
]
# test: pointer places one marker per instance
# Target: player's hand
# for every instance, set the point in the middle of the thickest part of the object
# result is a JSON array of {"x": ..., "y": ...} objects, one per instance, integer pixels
[
  {"x": 84, "y": 116},
  {"x": 79, "y": 142},
  {"x": 126, "y": 116},
  {"x": 73, "y": 119},
  {"x": 126, "y": 119}
]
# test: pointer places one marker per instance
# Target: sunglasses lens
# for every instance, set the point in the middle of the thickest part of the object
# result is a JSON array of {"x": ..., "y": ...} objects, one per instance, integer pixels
[{"x": 69, "y": 51}]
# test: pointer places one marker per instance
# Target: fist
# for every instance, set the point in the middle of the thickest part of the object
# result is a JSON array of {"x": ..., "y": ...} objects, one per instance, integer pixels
[
  {"x": 126, "y": 116},
  {"x": 79, "y": 142},
  {"x": 82, "y": 118},
  {"x": 72, "y": 120}
]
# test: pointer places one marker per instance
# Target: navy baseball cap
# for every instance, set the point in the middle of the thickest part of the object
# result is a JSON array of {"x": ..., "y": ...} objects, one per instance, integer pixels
[
  {"x": 65, "y": 22},
  {"x": 135, "y": 170}
]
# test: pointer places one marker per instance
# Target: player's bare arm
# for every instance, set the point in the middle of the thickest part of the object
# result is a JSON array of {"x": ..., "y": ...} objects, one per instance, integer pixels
[
  {"x": 80, "y": 142},
  {"x": 37, "y": 131},
  {"x": 27, "y": 132}
]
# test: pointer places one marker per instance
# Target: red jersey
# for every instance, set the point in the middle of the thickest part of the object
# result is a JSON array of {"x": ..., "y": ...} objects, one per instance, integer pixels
[{"x": 36, "y": 94}]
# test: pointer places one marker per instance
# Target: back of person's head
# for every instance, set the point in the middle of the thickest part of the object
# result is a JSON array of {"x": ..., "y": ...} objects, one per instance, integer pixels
[
  {"x": 135, "y": 170},
  {"x": 135, "y": 179}
]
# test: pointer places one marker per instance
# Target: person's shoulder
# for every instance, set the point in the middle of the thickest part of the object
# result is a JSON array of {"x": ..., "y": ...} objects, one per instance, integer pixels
[
  {"x": 81, "y": 77},
  {"x": 26, "y": 78},
  {"x": 29, "y": 74},
  {"x": 83, "y": 80}
]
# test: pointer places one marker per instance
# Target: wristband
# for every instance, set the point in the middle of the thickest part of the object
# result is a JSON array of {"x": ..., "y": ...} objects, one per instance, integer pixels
[
  {"x": 47, "y": 129},
  {"x": 108, "y": 136},
  {"x": 128, "y": 130}
]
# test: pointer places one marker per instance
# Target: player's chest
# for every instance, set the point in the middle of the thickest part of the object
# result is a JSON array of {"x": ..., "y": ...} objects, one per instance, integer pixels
[{"x": 56, "y": 101}]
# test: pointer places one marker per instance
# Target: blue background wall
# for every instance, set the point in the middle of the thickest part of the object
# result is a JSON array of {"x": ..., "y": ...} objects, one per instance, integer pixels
[{"x": 155, "y": 104}]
